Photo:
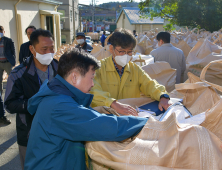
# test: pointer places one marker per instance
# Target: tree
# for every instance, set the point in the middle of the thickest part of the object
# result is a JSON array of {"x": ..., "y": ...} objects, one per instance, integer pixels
[{"x": 206, "y": 14}]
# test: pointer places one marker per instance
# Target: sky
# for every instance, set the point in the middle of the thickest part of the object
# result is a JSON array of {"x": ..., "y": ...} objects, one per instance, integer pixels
[{"x": 87, "y": 2}]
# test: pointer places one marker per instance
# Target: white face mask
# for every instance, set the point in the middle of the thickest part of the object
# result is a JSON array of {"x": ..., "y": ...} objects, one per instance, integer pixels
[
  {"x": 122, "y": 60},
  {"x": 1, "y": 35},
  {"x": 80, "y": 41},
  {"x": 44, "y": 59}
]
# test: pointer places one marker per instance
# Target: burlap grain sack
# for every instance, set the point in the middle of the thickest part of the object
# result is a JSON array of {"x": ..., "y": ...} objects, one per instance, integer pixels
[
  {"x": 161, "y": 146},
  {"x": 184, "y": 47},
  {"x": 212, "y": 73},
  {"x": 213, "y": 121},
  {"x": 101, "y": 53},
  {"x": 94, "y": 36},
  {"x": 144, "y": 45},
  {"x": 203, "y": 53},
  {"x": 203, "y": 99},
  {"x": 96, "y": 49},
  {"x": 162, "y": 73},
  {"x": 61, "y": 50},
  {"x": 199, "y": 94},
  {"x": 191, "y": 40}
]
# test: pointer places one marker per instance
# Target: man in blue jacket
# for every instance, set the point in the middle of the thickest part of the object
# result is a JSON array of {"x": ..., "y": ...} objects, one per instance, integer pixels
[
  {"x": 64, "y": 120},
  {"x": 103, "y": 38}
]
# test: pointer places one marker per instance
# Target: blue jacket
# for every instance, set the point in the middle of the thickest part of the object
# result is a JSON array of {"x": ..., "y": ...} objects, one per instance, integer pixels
[
  {"x": 63, "y": 121},
  {"x": 103, "y": 38}
]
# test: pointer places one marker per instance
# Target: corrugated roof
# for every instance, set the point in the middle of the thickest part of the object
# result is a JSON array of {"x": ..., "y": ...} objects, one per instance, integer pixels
[
  {"x": 49, "y": 1},
  {"x": 134, "y": 17}
]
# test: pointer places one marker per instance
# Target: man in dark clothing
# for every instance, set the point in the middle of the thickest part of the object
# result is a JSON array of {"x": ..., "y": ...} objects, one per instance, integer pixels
[
  {"x": 103, "y": 38},
  {"x": 82, "y": 44},
  {"x": 24, "y": 49},
  {"x": 25, "y": 81},
  {"x": 7, "y": 60},
  {"x": 7, "y": 55},
  {"x": 134, "y": 33}
]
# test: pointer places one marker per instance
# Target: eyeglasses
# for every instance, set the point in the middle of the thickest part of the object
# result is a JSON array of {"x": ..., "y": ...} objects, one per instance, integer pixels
[{"x": 124, "y": 52}]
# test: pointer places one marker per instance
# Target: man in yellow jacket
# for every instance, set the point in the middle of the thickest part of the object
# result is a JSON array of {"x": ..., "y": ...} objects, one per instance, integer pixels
[{"x": 119, "y": 78}]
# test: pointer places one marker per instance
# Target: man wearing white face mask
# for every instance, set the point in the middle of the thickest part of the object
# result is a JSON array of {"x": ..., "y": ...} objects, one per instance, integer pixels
[
  {"x": 119, "y": 78},
  {"x": 82, "y": 44},
  {"x": 25, "y": 81}
]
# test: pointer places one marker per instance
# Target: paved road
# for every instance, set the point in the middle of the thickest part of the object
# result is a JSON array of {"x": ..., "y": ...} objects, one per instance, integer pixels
[{"x": 9, "y": 155}]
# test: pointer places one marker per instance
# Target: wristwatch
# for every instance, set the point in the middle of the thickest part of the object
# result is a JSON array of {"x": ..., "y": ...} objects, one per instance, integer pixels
[{"x": 166, "y": 96}]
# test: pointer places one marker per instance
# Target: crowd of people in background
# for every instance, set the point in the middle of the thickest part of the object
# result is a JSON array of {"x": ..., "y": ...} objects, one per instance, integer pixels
[{"x": 58, "y": 117}]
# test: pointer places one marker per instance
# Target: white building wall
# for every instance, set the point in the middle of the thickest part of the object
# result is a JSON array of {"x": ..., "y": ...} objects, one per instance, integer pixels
[{"x": 30, "y": 15}]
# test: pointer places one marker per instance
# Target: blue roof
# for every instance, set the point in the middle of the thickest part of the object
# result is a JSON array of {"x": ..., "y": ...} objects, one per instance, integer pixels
[{"x": 133, "y": 16}]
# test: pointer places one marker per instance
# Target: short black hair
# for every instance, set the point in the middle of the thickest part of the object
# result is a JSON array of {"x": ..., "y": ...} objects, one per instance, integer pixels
[
  {"x": 1, "y": 28},
  {"x": 34, "y": 38},
  {"x": 165, "y": 36},
  {"x": 123, "y": 38},
  {"x": 30, "y": 26},
  {"x": 76, "y": 59},
  {"x": 104, "y": 32}
]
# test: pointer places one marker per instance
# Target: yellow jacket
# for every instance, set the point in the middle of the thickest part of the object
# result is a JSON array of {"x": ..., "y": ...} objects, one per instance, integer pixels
[{"x": 108, "y": 87}]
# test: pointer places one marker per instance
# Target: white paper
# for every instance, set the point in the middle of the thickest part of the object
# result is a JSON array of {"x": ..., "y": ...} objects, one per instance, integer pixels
[{"x": 181, "y": 116}]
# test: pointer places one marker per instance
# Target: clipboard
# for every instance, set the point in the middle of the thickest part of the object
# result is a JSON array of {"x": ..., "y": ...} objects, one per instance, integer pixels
[{"x": 153, "y": 107}]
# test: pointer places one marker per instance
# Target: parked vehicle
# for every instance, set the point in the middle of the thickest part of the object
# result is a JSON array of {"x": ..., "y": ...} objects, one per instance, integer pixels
[
  {"x": 94, "y": 36},
  {"x": 89, "y": 38},
  {"x": 89, "y": 42}
]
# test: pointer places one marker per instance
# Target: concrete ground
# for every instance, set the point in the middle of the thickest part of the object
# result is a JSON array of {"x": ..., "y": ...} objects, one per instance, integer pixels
[{"x": 9, "y": 155}]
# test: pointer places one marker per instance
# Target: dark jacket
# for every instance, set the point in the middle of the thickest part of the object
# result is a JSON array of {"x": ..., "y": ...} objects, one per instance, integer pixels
[
  {"x": 9, "y": 50},
  {"x": 86, "y": 47},
  {"x": 22, "y": 84},
  {"x": 24, "y": 51},
  {"x": 63, "y": 121}
]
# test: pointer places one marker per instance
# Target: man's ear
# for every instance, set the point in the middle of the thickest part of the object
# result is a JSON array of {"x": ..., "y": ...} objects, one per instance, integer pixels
[
  {"x": 74, "y": 76},
  {"x": 161, "y": 42},
  {"x": 111, "y": 49},
  {"x": 31, "y": 48}
]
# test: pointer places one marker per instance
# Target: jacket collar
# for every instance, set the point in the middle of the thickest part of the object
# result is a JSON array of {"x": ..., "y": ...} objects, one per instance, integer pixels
[
  {"x": 167, "y": 45},
  {"x": 110, "y": 65},
  {"x": 80, "y": 97},
  {"x": 29, "y": 62}
]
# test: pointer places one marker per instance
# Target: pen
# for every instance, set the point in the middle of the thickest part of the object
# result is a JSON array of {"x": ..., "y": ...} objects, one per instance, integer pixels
[{"x": 137, "y": 109}]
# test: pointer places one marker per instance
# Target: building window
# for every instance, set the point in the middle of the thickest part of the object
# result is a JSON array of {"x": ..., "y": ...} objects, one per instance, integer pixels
[
  {"x": 75, "y": 16},
  {"x": 63, "y": 39},
  {"x": 71, "y": 15},
  {"x": 49, "y": 24}
]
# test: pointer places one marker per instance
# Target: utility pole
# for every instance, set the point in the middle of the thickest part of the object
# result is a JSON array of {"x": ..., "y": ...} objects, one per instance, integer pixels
[
  {"x": 94, "y": 12},
  {"x": 74, "y": 19},
  {"x": 93, "y": 15}
]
